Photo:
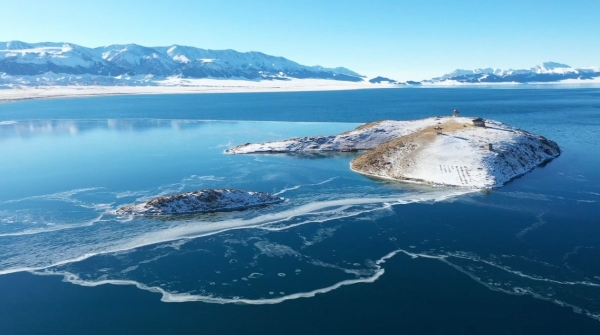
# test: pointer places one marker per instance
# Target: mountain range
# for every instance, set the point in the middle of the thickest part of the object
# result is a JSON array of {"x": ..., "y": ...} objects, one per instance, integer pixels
[
  {"x": 59, "y": 64},
  {"x": 50, "y": 63},
  {"x": 547, "y": 72}
]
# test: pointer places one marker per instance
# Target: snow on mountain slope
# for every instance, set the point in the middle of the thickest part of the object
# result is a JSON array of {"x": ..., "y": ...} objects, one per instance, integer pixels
[
  {"x": 38, "y": 59},
  {"x": 337, "y": 70},
  {"x": 60, "y": 55},
  {"x": 256, "y": 60},
  {"x": 460, "y": 72},
  {"x": 553, "y": 67},
  {"x": 62, "y": 79},
  {"x": 548, "y": 72},
  {"x": 380, "y": 80},
  {"x": 14, "y": 45},
  {"x": 144, "y": 60}
]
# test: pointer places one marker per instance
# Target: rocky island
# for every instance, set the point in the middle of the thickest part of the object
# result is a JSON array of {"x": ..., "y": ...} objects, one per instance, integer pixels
[
  {"x": 450, "y": 151},
  {"x": 202, "y": 201}
]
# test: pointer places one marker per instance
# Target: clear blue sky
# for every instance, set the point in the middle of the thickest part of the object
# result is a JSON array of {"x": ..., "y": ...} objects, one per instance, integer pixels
[{"x": 402, "y": 39}]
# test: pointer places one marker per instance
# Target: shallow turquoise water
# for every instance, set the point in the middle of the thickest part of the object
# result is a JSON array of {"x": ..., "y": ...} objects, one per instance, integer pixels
[{"x": 63, "y": 174}]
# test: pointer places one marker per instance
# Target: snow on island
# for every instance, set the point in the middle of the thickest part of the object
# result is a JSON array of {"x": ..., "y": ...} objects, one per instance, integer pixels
[
  {"x": 367, "y": 136},
  {"x": 202, "y": 201},
  {"x": 450, "y": 151}
]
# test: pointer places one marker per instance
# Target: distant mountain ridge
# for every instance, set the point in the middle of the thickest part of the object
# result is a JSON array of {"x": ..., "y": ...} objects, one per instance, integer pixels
[
  {"x": 546, "y": 72},
  {"x": 60, "y": 64},
  {"x": 68, "y": 63}
]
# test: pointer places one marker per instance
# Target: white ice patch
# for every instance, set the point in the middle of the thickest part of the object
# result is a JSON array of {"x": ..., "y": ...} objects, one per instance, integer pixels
[
  {"x": 49, "y": 227},
  {"x": 321, "y": 234},
  {"x": 376, "y": 272},
  {"x": 272, "y": 249},
  {"x": 130, "y": 237},
  {"x": 66, "y": 196},
  {"x": 492, "y": 274},
  {"x": 299, "y": 186}
]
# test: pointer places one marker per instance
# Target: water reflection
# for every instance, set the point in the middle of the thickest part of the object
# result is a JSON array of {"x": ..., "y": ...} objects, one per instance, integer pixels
[{"x": 33, "y": 128}]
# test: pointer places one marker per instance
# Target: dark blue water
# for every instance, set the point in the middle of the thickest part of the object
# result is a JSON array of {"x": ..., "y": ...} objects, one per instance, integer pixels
[{"x": 344, "y": 254}]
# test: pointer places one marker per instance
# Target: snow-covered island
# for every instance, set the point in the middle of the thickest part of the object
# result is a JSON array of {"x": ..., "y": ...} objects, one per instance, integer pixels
[
  {"x": 451, "y": 151},
  {"x": 202, "y": 201}
]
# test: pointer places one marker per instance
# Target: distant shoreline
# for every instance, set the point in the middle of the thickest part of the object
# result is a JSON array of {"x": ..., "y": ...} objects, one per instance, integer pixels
[
  {"x": 197, "y": 86},
  {"x": 207, "y": 86}
]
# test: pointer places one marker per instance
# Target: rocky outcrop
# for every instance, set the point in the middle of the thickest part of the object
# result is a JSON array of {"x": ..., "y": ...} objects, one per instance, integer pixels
[
  {"x": 202, "y": 201},
  {"x": 459, "y": 154},
  {"x": 450, "y": 151}
]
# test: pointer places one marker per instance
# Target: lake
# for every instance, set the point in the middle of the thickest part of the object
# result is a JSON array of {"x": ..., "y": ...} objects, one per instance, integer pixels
[{"x": 343, "y": 254}]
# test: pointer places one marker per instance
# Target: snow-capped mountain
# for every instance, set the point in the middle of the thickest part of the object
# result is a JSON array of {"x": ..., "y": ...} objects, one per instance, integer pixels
[
  {"x": 546, "y": 72},
  {"x": 49, "y": 63}
]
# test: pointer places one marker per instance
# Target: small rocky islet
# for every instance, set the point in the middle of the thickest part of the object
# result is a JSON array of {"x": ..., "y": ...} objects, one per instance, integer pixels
[{"x": 201, "y": 201}]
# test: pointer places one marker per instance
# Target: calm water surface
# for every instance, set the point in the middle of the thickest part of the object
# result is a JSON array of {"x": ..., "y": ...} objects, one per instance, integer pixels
[{"x": 343, "y": 254}]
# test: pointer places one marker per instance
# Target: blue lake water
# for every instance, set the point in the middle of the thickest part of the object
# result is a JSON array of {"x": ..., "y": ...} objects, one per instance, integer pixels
[{"x": 344, "y": 253}]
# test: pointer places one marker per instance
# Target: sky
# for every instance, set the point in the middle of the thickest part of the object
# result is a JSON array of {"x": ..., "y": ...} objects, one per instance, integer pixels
[{"x": 400, "y": 39}]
